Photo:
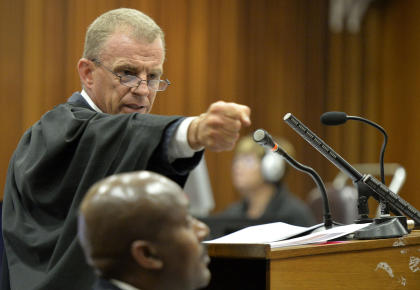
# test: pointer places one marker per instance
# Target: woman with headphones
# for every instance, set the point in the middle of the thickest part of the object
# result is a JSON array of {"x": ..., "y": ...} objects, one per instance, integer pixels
[{"x": 258, "y": 176}]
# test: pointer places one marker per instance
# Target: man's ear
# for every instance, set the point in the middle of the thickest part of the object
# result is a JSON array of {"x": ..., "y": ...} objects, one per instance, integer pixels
[
  {"x": 85, "y": 68},
  {"x": 145, "y": 254}
]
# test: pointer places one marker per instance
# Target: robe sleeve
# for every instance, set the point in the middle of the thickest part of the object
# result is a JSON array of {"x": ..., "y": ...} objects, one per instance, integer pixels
[{"x": 55, "y": 163}]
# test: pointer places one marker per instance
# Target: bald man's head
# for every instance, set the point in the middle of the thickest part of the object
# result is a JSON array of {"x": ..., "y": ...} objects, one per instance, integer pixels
[
  {"x": 113, "y": 205},
  {"x": 126, "y": 217}
]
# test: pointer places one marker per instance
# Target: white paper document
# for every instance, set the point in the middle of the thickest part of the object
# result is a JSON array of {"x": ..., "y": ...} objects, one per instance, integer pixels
[
  {"x": 321, "y": 236},
  {"x": 281, "y": 234},
  {"x": 263, "y": 234}
]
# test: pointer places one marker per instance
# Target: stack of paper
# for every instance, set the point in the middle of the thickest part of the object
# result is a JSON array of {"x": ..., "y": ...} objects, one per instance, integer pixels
[{"x": 281, "y": 234}]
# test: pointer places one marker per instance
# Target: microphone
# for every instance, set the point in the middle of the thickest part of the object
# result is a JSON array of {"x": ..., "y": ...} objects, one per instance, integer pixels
[
  {"x": 338, "y": 118},
  {"x": 333, "y": 118},
  {"x": 264, "y": 139},
  {"x": 394, "y": 200}
]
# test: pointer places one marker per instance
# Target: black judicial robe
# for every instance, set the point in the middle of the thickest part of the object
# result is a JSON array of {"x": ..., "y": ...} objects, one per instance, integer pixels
[{"x": 57, "y": 160}]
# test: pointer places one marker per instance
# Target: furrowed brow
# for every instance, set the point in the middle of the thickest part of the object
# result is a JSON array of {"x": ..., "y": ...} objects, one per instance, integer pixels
[
  {"x": 125, "y": 66},
  {"x": 156, "y": 71}
]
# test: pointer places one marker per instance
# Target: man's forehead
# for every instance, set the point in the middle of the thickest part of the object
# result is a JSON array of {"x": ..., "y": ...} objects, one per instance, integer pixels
[
  {"x": 122, "y": 47},
  {"x": 122, "y": 40},
  {"x": 246, "y": 156}
]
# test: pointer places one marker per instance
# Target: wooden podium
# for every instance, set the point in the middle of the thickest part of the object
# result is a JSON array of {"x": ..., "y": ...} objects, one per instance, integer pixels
[{"x": 364, "y": 264}]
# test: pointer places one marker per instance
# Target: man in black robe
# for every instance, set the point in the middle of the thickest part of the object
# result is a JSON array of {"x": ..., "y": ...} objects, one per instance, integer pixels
[{"x": 103, "y": 130}]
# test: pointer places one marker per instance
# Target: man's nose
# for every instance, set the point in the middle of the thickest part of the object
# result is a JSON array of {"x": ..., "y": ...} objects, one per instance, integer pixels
[
  {"x": 201, "y": 229},
  {"x": 142, "y": 88}
]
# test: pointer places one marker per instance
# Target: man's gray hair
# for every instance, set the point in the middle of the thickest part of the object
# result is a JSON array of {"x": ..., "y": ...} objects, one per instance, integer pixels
[{"x": 135, "y": 23}]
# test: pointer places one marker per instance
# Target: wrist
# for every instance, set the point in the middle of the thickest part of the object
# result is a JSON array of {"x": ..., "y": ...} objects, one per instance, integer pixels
[{"x": 192, "y": 134}]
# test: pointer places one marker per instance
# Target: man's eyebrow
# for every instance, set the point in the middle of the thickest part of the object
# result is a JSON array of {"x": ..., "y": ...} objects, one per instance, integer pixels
[
  {"x": 156, "y": 71},
  {"x": 127, "y": 66},
  {"x": 135, "y": 69}
]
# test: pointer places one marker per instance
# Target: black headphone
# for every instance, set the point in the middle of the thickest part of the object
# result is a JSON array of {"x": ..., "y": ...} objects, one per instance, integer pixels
[{"x": 273, "y": 167}]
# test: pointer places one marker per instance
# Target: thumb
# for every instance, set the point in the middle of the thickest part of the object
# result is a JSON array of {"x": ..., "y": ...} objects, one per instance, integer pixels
[{"x": 245, "y": 116}]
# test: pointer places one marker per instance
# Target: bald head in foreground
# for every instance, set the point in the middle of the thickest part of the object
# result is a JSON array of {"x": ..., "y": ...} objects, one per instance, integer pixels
[{"x": 135, "y": 229}]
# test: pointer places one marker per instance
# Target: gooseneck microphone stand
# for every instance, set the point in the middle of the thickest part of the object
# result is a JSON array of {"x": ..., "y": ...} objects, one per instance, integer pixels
[
  {"x": 335, "y": 118},
  {"x": 380, "y": 228},
  {"x": 264, "y": 139}
]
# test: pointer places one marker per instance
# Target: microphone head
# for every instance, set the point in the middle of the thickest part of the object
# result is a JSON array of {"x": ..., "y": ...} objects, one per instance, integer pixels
[
  {"x": 263, "y": 138},
  {"x": 333, "y": 118},
  {"x": 259, "y": 135}
]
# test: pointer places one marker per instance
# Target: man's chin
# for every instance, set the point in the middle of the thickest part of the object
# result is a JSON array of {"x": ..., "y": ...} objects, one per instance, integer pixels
[
  {"x": 205, "y": 273},
  {"x": 204, "y": 279}
]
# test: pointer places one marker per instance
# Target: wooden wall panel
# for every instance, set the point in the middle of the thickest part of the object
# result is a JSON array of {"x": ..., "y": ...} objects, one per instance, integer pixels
[
  {"x": 11, "y": 28},
  {"x": 373, "y": 73},
  {"x": 371, "y": 84},
  {"x": 401, "y": 90}
]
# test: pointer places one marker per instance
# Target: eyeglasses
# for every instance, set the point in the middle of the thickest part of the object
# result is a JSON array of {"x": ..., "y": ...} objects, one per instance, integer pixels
[{"x": 133, "y": 81}]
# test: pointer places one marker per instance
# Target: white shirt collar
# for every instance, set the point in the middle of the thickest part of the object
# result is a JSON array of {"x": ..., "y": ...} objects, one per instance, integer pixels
[
  {"x": 90, "y": 102},
  {"x": 123, "y": 285}
]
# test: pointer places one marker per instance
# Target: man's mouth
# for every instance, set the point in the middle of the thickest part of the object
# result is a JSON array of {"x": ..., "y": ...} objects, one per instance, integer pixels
[
  {"x": 206, "y": 259},
  {"x": 135, "y": 108}
]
